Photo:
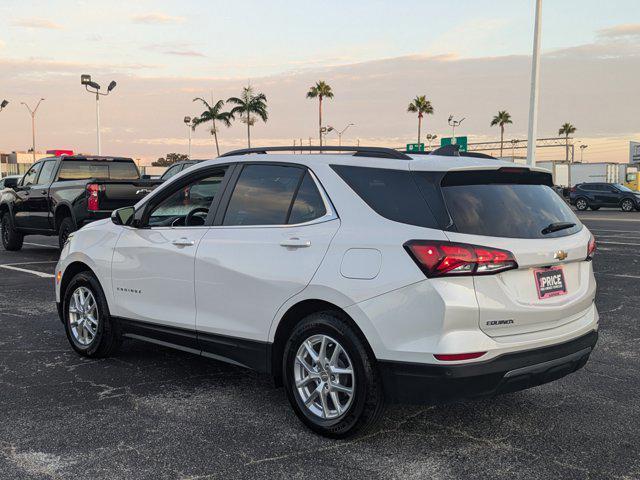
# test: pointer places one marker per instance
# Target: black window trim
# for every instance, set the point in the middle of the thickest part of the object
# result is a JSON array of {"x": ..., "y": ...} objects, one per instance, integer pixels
[
  {"x": 143, "y": 214},
  {"x": 37, "y": 165},
  {"x": 330, "y": 214},
  {"x": 54, "y": 173}
]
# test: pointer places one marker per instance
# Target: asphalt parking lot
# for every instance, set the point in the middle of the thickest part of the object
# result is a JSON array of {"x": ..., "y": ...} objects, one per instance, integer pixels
[{"x": 151, "y": 412}]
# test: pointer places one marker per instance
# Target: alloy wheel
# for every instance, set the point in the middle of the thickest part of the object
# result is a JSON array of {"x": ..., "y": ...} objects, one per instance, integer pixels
[
  {"x": 324, "y": 377},
  {"x": 83, "y": 316},
  {"x": 627, "y": 205},
  {"x": 581, "y": 205}
]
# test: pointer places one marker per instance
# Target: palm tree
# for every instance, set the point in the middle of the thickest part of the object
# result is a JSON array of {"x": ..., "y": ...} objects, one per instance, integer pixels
[
  {"x": 320, "y": 90},
  {"x": 421, "y": 106},
  {"x": 248, "y": 105},
  {"x": 212, "y": 113},
  {"x": 566, "y": 129},
  {"x": 501, "y": 119}
]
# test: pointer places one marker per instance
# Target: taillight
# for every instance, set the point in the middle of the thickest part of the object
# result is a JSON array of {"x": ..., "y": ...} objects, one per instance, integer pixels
[
  {"x": 573, "y": 189},
  {"x": 438, "y": 259},
  {"x": 92, "y": 201},
  {"x": 591, "y": 248}
]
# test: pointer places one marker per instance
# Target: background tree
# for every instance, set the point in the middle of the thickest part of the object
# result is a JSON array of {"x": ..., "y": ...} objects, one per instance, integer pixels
[
  {"x": 249, "y": 106},
  {"x": 320, "y": 91},
  {"x": 501, "y": 119},
  {"x": 566, "y": 129},
  {"x": 421, "y": 106},
  {"x": 212, "y": 113},
  {"x": 170, "y": 159}
]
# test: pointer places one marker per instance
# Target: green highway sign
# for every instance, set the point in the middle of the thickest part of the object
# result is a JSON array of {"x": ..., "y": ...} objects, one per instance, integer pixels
[
  {"x": 461, "y": 141},
  {"x": 415, "y": 147}
]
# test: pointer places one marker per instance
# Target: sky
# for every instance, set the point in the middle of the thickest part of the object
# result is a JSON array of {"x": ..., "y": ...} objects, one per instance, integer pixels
[{"x": 471, "y": 58}]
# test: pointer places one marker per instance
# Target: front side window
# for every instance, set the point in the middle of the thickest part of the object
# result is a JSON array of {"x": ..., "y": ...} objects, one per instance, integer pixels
[
  {"x": 263, "y": 195},
  {"x": 31, "y": 175},
  {"x": 189, "y": 205},
  {"x": 46, "y": 174}
]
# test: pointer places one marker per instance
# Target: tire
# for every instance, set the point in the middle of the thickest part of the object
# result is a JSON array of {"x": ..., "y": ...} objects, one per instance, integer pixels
[
  {"x": 102, "y": 338},
  {"x": 582, "y": 204},
  {"x": 627, "y": 205},
  {"x": 67, "y": 226},
  {"x": 360, "y": 411},
  {"x": 11, "y": 238},
  {"x": 594, "y": 208}
]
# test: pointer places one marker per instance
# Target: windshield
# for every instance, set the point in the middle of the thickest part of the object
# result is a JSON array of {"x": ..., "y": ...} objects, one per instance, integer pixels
[
  {"x": 512, "y": 210},
  {"x": 623, "y": 188}
]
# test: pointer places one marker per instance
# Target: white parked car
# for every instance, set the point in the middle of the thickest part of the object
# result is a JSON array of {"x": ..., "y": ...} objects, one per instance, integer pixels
[{"x": 354, "y": 279}]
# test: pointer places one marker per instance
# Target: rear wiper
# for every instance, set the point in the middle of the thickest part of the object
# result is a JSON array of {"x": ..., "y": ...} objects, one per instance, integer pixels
[{"x": 554, "y": 227}]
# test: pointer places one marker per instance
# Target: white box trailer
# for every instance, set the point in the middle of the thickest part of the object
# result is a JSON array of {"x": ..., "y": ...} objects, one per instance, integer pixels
[
  {"x": 560, "y": 172},
  {"x": 605, "y": 172}
]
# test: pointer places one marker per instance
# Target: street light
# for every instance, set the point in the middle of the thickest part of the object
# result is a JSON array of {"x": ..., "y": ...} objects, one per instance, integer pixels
[
  {"x": 514, "y": 142},
  {"x": 454, "y": 123},
  {"x": 87, "y": 82},
  {"x": 535, "y": 80},
  {"x": 3, "y": 104},
  {"x": 340, "y": 132},
  {"x": 582, "y": 147},
  {"x": 187, "y": 122},
  {"x": 33, "y": 125},
  {"x": 431, "y": 137}
]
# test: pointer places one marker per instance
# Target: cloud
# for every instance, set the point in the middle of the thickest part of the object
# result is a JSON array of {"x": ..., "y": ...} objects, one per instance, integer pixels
[
  {"x": 626, "y": 30},
  {"x": 37, "y": 23},
  {"x": 177, "y": 49},
  {"x": 156, "y": 19},
  {"x": 184, "y": 53}
]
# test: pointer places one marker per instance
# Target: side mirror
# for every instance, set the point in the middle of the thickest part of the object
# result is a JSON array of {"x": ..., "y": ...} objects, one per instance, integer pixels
[
  {"x": 123, "y": 215},
  {"x": 11, "y": 183}
]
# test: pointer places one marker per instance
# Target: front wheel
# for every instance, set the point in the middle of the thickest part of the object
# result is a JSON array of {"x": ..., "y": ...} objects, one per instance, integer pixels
[
  {"x": 11, "y": 238},
  {"x": 627, "y": 205},
  {"x": 90, "y": 329},
  {"x": 331, "y": 379},
  {"x": 581, "y": 204}
]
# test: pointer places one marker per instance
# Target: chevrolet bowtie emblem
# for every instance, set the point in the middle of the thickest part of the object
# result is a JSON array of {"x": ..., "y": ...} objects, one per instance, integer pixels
[{"x": 560, "y": 255}]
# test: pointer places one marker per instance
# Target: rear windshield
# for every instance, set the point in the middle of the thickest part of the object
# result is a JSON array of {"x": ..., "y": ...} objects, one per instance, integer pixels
[
  {"x": 102, "y": 170},
  {"x": 518, "y": 205}
]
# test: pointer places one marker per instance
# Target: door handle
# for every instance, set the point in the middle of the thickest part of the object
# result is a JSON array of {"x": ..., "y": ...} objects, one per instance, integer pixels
[
  {"x": 183, "y": 242},
  {"x": 295, "y": 242}
]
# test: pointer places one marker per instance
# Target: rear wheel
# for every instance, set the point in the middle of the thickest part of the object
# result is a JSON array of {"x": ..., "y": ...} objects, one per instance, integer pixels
[
  {"x": 88, "y": 324},
  {"x": 331, "y": 379},
  {"x": 581, "y": 204},
  {"x": 627, "y": 205},
  {"x": 66, "y": 228},
  {"x": 11, "y": 238}
]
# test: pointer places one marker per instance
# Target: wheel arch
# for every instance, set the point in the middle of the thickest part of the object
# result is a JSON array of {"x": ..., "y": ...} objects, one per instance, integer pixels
[
  {"x": 71, "y": 271},
  {"x": 62, "y": 211},
  {"x": 294, "y": 315}
]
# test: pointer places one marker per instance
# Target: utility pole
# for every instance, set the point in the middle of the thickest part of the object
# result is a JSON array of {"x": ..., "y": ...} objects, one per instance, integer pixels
[
  {"x": 582, "y": 147},
  {"x": 33, "y": 126},
  {"x": 533, "y": 100},
  {"x": 2, "y": 107},
  {"x": 454, "y": 123}
]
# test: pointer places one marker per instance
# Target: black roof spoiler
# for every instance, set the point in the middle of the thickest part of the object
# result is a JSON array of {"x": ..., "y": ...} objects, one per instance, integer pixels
[{"x": 378, "y": 152}]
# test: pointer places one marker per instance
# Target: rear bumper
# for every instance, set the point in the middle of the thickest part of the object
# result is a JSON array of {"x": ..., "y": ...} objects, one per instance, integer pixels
[{"x": 421, "y": 383}]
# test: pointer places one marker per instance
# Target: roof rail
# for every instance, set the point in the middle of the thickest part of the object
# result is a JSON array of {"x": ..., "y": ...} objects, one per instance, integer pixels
[
  {"x": 454, "y": 151},
  {"x": 378, "y": 152}
]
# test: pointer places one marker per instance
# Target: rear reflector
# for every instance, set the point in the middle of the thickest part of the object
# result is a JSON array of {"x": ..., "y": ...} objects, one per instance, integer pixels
[
  {"x": 453, "y": 357},
  {"x": 439, "y": 259}
]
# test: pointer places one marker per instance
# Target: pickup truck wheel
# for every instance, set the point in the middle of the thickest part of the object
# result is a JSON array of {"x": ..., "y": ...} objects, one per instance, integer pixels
[
  {"x": 66, "y": 228},
  {"x": 11, "y": 238},
  {"x": 88, "y": 324},
  {"x": 627, "y": 205},
  {"x": 331, "y": 379}
]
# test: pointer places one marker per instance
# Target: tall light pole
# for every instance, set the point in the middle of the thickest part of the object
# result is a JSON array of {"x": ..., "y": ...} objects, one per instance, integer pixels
[
  {"x": 430, "y": 138},
  {"x": 340, "y": 132},
  {"x": 582, "y": 147},
  {"x": 3, "y": 104},
  {"x": 33, "y": 126},
  {"x": 187, "y": 122},
  {"x": 514, "y": 142},
  {"x": 535, "y": 79},
  {"x": 87, "y": 82},
  {"x": 454, "y": 123}
]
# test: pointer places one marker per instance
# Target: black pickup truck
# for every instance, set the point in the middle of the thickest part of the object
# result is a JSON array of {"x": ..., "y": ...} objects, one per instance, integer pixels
[{"x": 59, "y": 195}]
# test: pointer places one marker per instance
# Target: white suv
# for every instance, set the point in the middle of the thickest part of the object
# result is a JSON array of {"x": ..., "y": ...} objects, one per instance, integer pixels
[{"x": 353, "y": 279}]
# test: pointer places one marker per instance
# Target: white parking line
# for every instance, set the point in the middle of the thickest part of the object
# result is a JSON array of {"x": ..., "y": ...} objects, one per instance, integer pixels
[
  {"x": 618, "y": 243},
  {"x": 30, "y": 263},
  {"x": 41, "y": 245},
  {"x": 603, "y": 219},
  {"x": 617, "y": 231},
  {"x": 24, "y": 270},
  {"x": 621, "y": 275}
]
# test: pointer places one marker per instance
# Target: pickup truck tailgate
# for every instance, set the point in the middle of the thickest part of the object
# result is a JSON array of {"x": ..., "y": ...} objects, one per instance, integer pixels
[{"x": 123, "y": 193}]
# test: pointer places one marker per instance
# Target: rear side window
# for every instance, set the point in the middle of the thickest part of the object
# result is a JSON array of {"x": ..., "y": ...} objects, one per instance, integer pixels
[
  {"x": 263, "y": 195},
  {"x": 308, "y": 204},
  {"x": 83, "y": 170},
  {"x": 392, "y": 194},
  {"x": 171, "y": 172},
  {"x": 46, "y": 174},
  {"x": 510, "y": 205}
]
